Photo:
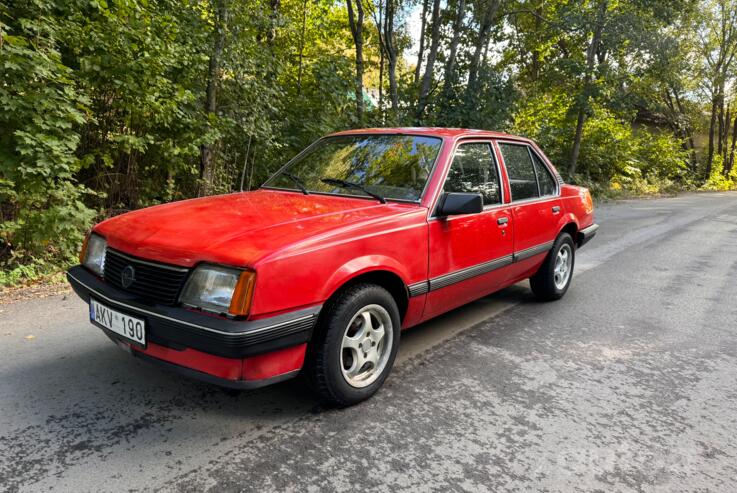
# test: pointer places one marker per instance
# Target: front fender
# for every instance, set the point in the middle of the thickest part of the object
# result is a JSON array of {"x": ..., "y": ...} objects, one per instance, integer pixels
[{"x": 362, "y": 265}]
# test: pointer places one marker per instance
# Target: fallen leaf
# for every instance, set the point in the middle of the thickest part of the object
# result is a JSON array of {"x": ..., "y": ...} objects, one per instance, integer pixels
[{"x": 29, "y": 337}]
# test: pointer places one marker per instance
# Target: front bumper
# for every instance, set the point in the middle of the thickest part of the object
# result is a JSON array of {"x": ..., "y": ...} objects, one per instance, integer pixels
[{"x": 179, "y": 329}]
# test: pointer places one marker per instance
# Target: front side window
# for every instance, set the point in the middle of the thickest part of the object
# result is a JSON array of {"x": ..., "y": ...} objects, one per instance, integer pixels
[
  {"x": 520, "y": 170},
  {"x": 473, "y": 170},
  {"x": 387, "y": 166},
  {"x": 544, "y": 178}
]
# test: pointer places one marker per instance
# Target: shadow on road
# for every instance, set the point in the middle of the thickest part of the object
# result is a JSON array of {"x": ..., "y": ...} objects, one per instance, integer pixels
[{"x": 92, "y": 399}]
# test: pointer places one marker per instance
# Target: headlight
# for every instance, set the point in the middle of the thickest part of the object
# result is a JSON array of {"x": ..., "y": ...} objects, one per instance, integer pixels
[
  {"x": 93, "y": 253},
  {"x": 219, "y": 289}
]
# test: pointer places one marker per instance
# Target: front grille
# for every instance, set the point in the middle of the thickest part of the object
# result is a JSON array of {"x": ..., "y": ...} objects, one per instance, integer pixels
[{"x": 154, "y": 282}]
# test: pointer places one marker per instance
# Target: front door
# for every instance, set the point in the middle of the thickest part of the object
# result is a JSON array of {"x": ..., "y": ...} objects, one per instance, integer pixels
[{"x": 470, "y": 254}]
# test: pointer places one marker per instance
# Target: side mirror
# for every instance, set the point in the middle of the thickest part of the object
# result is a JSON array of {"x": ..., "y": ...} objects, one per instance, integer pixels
[{"x": 453, "y": 204}]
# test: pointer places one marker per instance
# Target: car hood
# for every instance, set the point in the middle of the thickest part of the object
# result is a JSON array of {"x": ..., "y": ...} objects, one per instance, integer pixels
[{"x": 240, "y": 228}]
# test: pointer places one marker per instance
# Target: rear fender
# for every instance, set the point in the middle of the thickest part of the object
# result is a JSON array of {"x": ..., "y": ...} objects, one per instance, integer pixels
[{"x": 565, "y": 220}]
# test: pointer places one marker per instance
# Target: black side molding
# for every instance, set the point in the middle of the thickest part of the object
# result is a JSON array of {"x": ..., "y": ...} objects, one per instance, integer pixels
[
  {"x": 531, "y": 252},
  {"x": 424, "y": 287}
]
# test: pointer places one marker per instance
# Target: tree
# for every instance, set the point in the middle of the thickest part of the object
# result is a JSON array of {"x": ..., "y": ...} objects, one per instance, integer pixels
[
  {"x": 592, "y": 50},
  {"x": 113, "y": 106},
  {"x": 450, "y": 62},
  {"x": 430, "y": 66},
  {"x": 392, "y": 52},
  {"x": 355, "y": 20},
  {"x": 421, "y": 47},
  {"x": 220, "y": 10},
  {"x": 487, "y": 11},
  {"x": 718, "y": 35}
]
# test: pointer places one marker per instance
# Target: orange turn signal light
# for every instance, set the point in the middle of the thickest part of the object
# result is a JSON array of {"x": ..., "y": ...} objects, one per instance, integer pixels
[
  {"x": 83, "y": 252},
  {"x": 242, "y": 294}
]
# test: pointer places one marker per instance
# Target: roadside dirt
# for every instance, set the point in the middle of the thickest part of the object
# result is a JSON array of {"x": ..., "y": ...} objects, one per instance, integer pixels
[{"x": 42, "y": 289}]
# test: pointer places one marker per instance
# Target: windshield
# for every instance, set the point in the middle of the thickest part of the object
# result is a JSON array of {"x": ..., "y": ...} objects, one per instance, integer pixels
[{"x": 385, "y": 166}]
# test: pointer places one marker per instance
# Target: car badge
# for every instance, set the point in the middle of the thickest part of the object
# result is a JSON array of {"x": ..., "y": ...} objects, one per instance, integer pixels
[{"x": 128, "y": 276}]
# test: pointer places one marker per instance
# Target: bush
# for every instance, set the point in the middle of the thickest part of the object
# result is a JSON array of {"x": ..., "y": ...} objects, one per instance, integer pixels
[
  {"x": 42, "y": 215},
  {"x": 615, "y": 159},
  {"x": 717, "y": 181}
]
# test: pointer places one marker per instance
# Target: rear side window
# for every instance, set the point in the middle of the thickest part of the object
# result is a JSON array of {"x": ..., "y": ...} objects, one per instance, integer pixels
[
  {"x": 520, "y": 170},
  {"x": 473, "y": 170},
  {"x": 544, "y": 178}
]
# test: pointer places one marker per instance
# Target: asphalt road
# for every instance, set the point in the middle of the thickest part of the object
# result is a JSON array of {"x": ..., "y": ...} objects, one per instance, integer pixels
[{"x": 627, "y": 384}]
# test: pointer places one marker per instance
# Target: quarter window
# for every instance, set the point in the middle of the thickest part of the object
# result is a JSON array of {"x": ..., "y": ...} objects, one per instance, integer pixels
[
  {"x": 521, "y": 171},
  {"x": 544, "y": 178},
  {"x": 474, "y": 170}
]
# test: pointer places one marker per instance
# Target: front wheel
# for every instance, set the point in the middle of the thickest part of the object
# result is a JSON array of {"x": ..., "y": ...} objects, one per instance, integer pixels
[
  {"x": 554, "y": 276},
  {"x": 355, "y": 345}
]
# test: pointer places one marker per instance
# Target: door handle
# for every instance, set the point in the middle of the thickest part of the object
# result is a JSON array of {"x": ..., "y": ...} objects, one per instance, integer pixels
[
  {"x": 556, "y": 209},
  {"x": 502, "y": 220}
]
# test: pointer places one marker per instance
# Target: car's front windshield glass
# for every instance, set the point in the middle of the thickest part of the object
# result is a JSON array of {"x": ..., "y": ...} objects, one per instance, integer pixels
[{"x": 387, "y": 166}]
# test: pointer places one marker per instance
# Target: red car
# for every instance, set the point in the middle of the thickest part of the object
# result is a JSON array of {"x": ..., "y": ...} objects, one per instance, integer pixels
[{"x": 361, "y": 235}]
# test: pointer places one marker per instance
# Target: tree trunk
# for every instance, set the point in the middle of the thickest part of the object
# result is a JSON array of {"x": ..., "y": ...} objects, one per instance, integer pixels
[
  {"x": 688, "y": 130},
  {"x": 213, "y": 75},
  {"x": 578, "y": 135},
  {"x": 449, "y": 77},
  {"x": 725, "y": 135},
  {"x": 302, "y": 46},
  {"x": 382, "y": 52},
  {"x": 355, "y": 20},
  {"x": 479, "y": 44},
  {"x": 271, "y": 35},
  {"x": 681, "y": 131},
  {"x": 388, "y": 51},
  {"x": 391, "y": 53},
  {"x": 590, "y": 61},
  {"x": 730, "y": 162},
  {"x": 535, "y": 69},
  {"x": 431, "y": 56},
  {"x": 712, "y": 125},
  {"x": 720, "y": 126},
  {"x": 421, "y": 48}
]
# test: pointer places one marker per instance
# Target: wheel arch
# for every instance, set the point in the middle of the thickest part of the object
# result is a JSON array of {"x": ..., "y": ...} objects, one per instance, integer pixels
[
  {"x": 570, "y": 226},
  {"x": 387, "y": 276}
]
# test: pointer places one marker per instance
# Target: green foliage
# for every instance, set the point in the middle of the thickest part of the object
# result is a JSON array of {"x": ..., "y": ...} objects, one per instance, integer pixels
[
  {"x": 103, "y": 104},
  {"x": 615, "y": 158},
  {"x": 717, "y": 181},
  {"x": 41, "y": 110}
]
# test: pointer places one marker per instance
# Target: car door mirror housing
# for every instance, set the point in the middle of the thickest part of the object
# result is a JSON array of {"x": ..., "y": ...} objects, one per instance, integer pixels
[{"x": 454, "y": 203}]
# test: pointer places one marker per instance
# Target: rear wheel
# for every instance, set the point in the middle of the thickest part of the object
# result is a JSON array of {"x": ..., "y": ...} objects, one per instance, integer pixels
[
  {"x": 554, "y": 276},
  {"x": 355, "y": 345}
]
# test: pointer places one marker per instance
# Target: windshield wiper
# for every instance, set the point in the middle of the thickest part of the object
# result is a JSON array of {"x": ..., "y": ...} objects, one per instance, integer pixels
[
  {"x": 300, "y": 184},
  {"x": 350, "y": 184}
]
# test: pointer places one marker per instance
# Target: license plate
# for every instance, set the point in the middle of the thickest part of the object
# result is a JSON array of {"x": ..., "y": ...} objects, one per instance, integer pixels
[{"x": 131, "y": 328}]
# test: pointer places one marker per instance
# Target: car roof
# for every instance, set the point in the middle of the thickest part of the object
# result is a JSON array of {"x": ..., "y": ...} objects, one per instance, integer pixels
[{"x": 432, "y": 132}]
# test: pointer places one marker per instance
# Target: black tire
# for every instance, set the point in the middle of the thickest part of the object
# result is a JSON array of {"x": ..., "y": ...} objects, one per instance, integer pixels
[
  {"x": 325, "y": 360},
  {"x": 543, "y": 283}
]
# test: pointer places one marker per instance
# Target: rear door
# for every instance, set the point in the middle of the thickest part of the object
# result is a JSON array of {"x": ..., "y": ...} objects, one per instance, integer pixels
[
  {"x": 470, "y": 254},
  {"x": 536, "y": 205}
]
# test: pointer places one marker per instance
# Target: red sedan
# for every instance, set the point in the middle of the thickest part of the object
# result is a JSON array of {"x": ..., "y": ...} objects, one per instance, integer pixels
[{"x": 361, "y": 235}]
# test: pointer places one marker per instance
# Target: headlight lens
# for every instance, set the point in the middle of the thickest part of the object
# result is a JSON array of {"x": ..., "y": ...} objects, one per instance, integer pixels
[
  {"x": 219, "y": 289},
  {"x": 93, "y": 253}
]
